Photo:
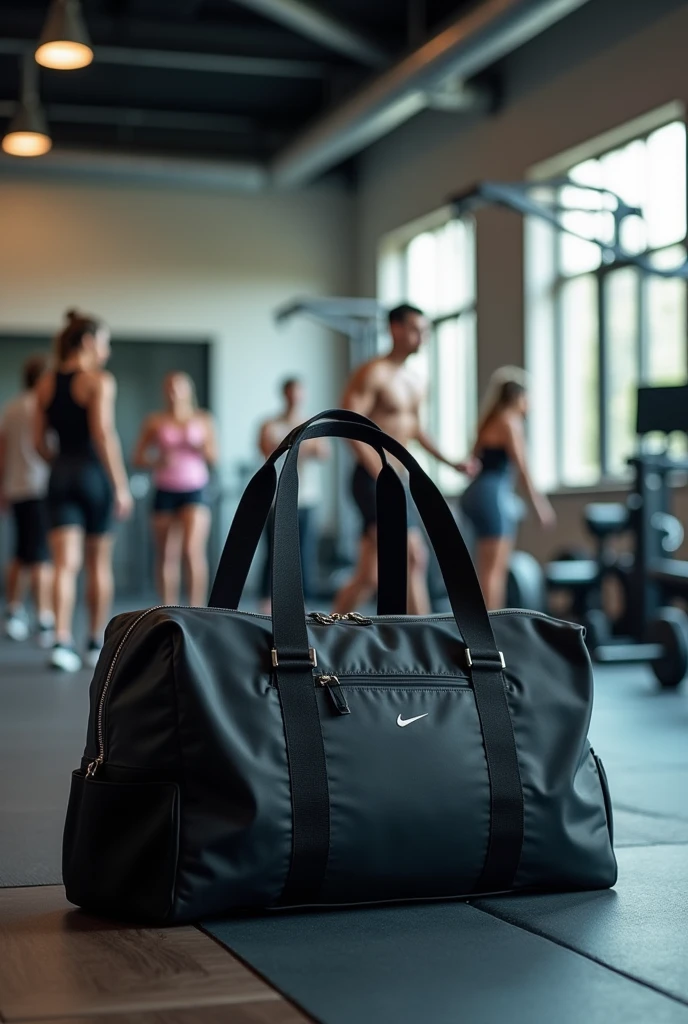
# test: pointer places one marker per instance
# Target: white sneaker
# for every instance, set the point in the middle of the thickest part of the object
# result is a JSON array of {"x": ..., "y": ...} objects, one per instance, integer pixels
[
  {"x": 65, "y": 658},
  {"x": 16, "y": 627},
  {"x": 92, "y": 653}
]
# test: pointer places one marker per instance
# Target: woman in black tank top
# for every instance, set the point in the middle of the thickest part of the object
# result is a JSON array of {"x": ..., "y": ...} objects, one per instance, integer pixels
[
  {"x": 490, "y": 502},
  {"x": 76, "y": 408}
]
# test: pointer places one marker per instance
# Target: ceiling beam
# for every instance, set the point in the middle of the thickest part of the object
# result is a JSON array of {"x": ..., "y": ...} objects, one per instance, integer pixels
[
  {"x": 133, "y": 117},
  {"x": 468, "y": 45},
  {"x": 216, "y": 63},
  {"x": 259, "y": 39},
  {"x": 221, "y": 175},
  {"x": 322, "y": 28}
]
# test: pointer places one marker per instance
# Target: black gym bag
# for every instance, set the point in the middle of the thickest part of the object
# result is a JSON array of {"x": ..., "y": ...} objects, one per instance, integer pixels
[{"x": 235, "y": 760}]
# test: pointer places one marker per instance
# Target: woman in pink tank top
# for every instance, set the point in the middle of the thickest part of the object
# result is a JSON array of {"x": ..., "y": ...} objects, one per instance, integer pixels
[{"x": 179, "y": 445}]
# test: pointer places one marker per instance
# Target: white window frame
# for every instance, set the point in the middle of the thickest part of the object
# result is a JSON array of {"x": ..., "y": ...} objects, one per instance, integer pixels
[{"x": 545, "y": 279}]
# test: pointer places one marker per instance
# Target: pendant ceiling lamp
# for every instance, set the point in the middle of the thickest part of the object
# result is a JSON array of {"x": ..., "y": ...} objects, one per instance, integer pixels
[
  {"x": 27, "y": 134},
  {"x": 64, "y": 43}
]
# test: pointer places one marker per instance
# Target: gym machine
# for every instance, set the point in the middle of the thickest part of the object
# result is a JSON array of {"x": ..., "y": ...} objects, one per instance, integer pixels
[
  {"x": 539, "y": 199},
  {"x": 359, "y": 320},
  {"x": 649, "y": 630}
]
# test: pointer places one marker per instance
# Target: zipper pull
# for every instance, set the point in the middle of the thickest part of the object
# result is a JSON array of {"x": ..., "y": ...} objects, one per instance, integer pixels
[
  {"x": 358, "y": 620},
  {"x": 322, "y": 619},
  {"x": 93, "y": 767},
  {"x": 337, "y": 696}
]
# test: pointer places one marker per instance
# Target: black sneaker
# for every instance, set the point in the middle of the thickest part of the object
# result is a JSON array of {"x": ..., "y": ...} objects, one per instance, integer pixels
[
  {"x": 45, "y": 635},
  {"x": 93, "y": 652}
]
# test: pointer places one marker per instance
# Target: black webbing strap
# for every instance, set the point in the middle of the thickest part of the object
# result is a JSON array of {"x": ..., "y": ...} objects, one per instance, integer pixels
[
  {"x": 251, "y": 518},
  {"x": 305, "y": 751},
  {"x": 308, "y": 779},
  {"x": 243, "y": 539},
  {"x": 506, "y": 795},
  {"x": 505, "y": 840},
  {"x": 310, "y": 800},
  {"x": 392, "y": 543}
]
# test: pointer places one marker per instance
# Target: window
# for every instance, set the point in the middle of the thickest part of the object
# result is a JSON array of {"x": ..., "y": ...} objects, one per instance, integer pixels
[
  {"x": 596, "y": 330},
  {"x": 434, "y": 269}
]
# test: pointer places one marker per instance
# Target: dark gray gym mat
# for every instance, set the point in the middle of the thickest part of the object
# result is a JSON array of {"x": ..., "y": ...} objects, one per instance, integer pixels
[
  {"x": 636, "y": 725},
  {"x": 439, "y": 964},
  {"x": 43, "y": 717},
  {"x": 640, "y": 928}
]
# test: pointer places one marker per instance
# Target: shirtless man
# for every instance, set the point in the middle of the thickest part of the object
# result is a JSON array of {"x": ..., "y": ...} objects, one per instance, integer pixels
[{"x": 385, "y": 390}]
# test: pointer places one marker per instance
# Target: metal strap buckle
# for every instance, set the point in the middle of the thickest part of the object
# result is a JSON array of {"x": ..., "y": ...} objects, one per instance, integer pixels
[
  {"x": 469, "y": 659},
  {"x": 313, "y": 657}
]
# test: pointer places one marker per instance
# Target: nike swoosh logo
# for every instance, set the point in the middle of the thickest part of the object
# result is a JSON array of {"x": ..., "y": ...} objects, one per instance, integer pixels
[{"x": 401, "y": 722}]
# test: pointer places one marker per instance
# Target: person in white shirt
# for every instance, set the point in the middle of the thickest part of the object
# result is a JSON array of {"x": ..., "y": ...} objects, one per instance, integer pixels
[
  {"x": 272, "y": 433},
  {"x": 23, "y": 487}
]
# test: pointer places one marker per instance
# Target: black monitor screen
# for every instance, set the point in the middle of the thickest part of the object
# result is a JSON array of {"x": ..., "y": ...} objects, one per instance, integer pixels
[{"x": 662, "y": 409}]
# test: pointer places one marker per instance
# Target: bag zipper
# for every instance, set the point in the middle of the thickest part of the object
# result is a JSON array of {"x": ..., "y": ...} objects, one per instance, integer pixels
[
  {"x": 336, "y": 694},
  {"x": 323, "y": 619},
  {"x": 335, "y": 685},
  {"x": 318, "y": 618},
  {"x": 329, "y": 620},
  {"x": 95, "y": 765}
]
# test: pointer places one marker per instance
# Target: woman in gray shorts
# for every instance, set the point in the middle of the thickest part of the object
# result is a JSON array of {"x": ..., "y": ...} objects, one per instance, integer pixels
[{"x": 490, "y": 502}]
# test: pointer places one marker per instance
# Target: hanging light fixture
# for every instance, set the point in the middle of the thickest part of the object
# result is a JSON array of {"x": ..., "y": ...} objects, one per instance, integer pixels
[
  {"x": 64, "y": 43},
  {"x": 27, "y": 134}
]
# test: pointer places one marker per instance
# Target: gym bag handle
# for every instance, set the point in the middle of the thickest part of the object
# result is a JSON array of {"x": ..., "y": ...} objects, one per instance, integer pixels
[
  {"x": 293, "y": 666},
  {"x": 253, "y": 511}
]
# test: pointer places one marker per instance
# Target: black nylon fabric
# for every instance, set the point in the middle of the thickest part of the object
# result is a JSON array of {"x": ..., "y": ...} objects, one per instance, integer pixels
[
  {"x": 444, "y": 778},
  {"x": 506, "y": 797},
  {"x": 308, "y": 775},
  {"x": 193, "y": 701}
]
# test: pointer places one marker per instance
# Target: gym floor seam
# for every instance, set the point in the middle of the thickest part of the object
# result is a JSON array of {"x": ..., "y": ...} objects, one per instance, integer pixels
[
  {"x": 252, "y": 968},
  {"x": 588, "y": 956},
  {"x": 647, "y": 845},
  {"x": 649, "y": 814}
]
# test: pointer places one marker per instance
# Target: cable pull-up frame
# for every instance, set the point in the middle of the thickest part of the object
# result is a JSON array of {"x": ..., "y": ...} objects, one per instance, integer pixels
[
  {"x": 360, "y": 320},
  {"x": 529, "y": 198}
]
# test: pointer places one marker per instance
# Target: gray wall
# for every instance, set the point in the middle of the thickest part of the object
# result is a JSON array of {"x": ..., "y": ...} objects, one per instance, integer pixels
[
  {"x": 598, "y": 70},
  {"x": 166, "y": 262}
]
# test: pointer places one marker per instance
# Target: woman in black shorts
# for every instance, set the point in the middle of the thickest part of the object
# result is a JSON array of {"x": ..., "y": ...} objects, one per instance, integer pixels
[
  {"x": 23, "y": 485},
  {"x": 76, "y": 403},
  {"x": 179, "y": 444}
]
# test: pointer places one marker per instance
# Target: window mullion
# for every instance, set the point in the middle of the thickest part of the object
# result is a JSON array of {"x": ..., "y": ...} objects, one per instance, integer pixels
[
  {"x": 559, "y": 381},
  {"x": 643, "y": 352},
  {"x": 603, "y": 373}
]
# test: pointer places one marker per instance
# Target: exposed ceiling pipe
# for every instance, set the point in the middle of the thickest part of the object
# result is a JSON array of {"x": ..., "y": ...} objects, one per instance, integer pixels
[
  {"x": 322, "y": 28},
  {"x": 135, "y": 117},
  {"x": 170, "y": 171},
  {"x": 177, "y": 60},
  {"x": 471, "y": 43},
  {"x": 219, "y": 63}
]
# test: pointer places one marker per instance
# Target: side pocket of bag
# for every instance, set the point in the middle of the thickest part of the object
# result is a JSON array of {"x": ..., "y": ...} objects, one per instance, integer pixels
[
  {"x": 120, "y": 847},
  {"x": 604, "y": 785}
]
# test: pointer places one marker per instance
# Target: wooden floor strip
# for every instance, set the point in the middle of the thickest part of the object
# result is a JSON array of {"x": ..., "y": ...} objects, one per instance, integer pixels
[
  {"x": 57, "y": 962},
  {"x": 273, "y": 1012}
]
